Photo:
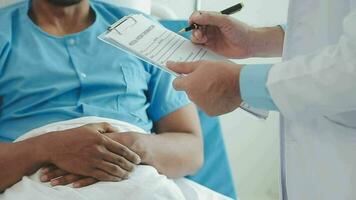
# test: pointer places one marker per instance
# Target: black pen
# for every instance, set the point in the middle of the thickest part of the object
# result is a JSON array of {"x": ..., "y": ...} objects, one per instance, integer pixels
[{"x": 229, "y": 11}]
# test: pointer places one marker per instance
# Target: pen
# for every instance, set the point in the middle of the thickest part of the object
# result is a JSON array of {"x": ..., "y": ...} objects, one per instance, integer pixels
[{"x": 228, "y": 11}]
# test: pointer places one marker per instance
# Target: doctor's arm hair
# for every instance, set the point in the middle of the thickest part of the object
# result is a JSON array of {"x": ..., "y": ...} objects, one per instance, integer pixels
[{"x": 267, "y": 41}]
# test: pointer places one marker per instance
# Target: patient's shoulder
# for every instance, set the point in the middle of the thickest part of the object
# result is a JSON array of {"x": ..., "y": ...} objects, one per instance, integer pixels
[
  {"x": 9, "y": 20},
  {"x": 112, "y": 12}
]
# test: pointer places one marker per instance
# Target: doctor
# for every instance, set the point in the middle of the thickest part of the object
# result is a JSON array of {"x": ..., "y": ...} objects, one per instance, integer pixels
[{"x": 314, "y": 89}]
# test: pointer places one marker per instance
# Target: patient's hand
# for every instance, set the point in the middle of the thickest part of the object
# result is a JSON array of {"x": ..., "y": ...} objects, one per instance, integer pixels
[
  {"x": 57, "y": 176},
  {"x": 88, "y": 152},
  {"x": 134, "y": 141}
]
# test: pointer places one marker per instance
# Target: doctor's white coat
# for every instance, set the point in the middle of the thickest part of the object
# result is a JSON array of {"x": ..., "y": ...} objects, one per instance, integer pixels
[{"x": 315, "y": 90}]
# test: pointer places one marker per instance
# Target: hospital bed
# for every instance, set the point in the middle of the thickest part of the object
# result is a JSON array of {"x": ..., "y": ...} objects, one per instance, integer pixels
[{"x": 215, "y": 173}]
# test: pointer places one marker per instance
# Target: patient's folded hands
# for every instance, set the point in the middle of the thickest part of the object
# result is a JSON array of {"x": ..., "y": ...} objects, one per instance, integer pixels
[
  {"x": 89, "y": 153},
  {"x": 120, "y": 167}
]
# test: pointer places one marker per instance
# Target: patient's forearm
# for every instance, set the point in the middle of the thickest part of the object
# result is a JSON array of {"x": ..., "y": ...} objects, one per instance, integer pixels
[
  {"x": 17, "y": 160},
  {"x": 172, "y": 154},
  {"x": 177, "y": 149}
]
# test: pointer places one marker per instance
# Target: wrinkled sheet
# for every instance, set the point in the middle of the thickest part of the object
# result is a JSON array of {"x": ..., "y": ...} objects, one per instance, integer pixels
[{"x": 144, "y": 183}]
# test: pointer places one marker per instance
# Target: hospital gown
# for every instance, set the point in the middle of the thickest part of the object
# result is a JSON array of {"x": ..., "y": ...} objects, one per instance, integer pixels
[{"x": 45, "y": 78}]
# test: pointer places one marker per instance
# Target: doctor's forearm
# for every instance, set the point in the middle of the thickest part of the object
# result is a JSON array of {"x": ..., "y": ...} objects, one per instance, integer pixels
[{"x": 266, "y": 42}]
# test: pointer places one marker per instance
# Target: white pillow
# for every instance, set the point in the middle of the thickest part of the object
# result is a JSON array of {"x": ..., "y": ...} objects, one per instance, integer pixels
[{"x": 142, "y": 5}]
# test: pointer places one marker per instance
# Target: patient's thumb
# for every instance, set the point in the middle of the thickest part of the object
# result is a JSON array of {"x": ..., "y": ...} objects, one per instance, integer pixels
[{"x": 181, "y": 67}]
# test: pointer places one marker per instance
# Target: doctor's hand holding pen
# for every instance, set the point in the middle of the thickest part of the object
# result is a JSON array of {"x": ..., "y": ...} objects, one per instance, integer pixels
[{"x": 215, "y": 86}]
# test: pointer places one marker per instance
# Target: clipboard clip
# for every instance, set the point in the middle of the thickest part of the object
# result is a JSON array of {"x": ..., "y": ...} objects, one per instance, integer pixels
[{"x": 121, "y": 22}]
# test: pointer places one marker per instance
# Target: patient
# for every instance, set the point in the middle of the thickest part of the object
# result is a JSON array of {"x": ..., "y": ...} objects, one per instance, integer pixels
[{"x": 53, "y": 68}]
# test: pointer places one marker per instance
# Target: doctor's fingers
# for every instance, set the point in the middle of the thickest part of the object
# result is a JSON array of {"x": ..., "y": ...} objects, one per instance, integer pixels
[
  {"x": 205, "y": 18},
  {"x": 199, "y": 36},
  {"x": 180, "y": 84},
  {"x": 183, "y": 67}
]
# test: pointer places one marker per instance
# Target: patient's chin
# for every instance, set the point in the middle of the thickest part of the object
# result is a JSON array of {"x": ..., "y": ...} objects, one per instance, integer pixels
[{"x": 64, "y": 3}]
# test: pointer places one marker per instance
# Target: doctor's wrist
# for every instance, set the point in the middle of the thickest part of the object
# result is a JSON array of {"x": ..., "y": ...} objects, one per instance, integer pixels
[{"x": 266, "y": 42}]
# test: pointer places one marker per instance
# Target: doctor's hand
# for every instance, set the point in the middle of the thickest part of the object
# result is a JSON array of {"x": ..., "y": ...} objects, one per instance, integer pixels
[
  {"x": 213, "y": 86},
  {"x": 222, "y": 34},
  {"x": 234, "y": 39}
]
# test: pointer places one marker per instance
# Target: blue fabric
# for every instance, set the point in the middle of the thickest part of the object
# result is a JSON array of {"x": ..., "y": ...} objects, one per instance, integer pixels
[
  {"x": 45, "y": 79},
  {"x": 253, "y": 88},
  {"x": 253, "y": 79},
  {"x": 216, "y": 172}
]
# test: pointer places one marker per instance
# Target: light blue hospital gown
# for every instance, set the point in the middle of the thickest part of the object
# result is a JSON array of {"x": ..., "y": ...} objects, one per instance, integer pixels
[{"x": 45, "y": 79}]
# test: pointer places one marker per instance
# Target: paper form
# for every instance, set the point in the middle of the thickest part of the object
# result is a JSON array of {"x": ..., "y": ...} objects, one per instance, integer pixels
[{"x": 154, "y": 43}]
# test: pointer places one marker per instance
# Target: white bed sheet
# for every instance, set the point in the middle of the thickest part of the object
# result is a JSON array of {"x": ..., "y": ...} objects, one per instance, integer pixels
[{"x": 144, "y": 183}]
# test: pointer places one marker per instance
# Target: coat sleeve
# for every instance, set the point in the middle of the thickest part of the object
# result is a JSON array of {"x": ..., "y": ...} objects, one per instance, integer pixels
[{"x": 320, "y": 84}]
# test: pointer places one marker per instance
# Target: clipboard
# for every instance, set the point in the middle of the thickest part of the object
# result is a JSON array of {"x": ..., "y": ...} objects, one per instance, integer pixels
[
  {"x": 151, "y": 42},
  {"x": 120, "y": 27}
]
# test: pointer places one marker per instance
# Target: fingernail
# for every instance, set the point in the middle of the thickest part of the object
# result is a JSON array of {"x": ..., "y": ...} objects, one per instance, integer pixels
[
  {"x": 196, "y": 14},
  {"x": 117, "y": 179},
  {"x": 138, "y": 160},
  {"x": 130, "y": 168},
  {"x": 76, "y": 185},
  {"x": 54, "y": 182},
  {"x": 197, "y": 34},
  {"x": 44, "y": 178},
  {"x": 126, "y": 176},
  {"x": 44, "y": 170}
]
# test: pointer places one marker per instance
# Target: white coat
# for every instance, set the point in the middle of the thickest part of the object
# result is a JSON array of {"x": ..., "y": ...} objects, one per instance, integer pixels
[{"x": 315, "y": 90}]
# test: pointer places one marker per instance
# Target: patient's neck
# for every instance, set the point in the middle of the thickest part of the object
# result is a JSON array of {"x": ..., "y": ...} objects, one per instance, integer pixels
[{"x": 61, "y": 20}]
